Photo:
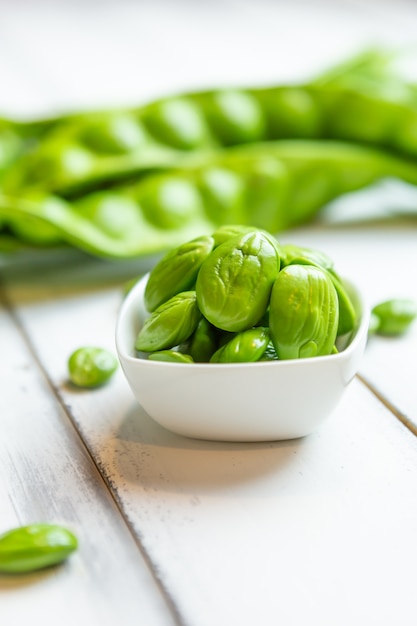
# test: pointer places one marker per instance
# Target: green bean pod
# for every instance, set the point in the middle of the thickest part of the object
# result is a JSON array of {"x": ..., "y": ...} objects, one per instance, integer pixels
[
  {"x": 18, "y": 138},
  {"x": 303, "y": 313},
  {"x": 11, "y": 144},
  {"x": 84, "y": 151},
  {"x": 164, "y": 210}
]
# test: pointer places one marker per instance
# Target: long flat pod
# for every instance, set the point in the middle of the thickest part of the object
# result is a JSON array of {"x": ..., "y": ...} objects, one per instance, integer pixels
[
  {"x": 361, "y": 101},
  {"x": 273, "y": 186}
]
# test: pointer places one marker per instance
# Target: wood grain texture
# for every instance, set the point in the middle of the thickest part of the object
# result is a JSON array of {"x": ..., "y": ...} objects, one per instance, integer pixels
[
  {"x": 319, "y": 531},
  {"x": 47, "y": 475},
  {"x": 239, "y": 533}
]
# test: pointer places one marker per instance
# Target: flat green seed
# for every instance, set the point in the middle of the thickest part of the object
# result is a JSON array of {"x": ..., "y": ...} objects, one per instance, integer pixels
[
  {"x": 395, "y": 316},
  {"x": 171, "y": 324},
  {"x": 234, "y": 283},
  {"x": 170, "y": 356},
  {"x": 176, "y": 271},
  {"x": 303, "y": 313},
  {"x": 34, "y": 547},
  {"x": 245, "y": 347},
  {"x": 347, "y": 313},
  {"x": 228, "y": 231},
  {"x": 203, "y": 342},
  {"x": 90, "y": 366},
  {"x": 296, "y": 255}
]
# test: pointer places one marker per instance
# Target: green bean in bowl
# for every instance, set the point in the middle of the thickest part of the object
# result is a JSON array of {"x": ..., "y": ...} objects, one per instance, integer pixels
[{"x": 235, "y": 336}]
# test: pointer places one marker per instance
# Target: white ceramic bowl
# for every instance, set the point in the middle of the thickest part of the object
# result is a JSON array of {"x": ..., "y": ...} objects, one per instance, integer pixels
[{"x": 263, "y": 401}]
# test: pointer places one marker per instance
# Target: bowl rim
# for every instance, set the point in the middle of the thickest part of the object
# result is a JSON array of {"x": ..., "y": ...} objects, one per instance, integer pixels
[{"x": 360, "y": 329}]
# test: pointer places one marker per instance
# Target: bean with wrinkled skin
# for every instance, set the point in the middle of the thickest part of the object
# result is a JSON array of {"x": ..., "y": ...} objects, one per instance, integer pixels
[
  {"x": 303, "y": 313},
  {"x": 234, "y": 283},
  {"x": 294, "y": 255},
  {"x": 171, "y": 324},
  {"x": 176, "y": 271}
]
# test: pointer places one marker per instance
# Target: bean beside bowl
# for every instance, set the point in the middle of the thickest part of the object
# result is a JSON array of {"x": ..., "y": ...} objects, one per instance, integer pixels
[{"x": 308, "y": 359}]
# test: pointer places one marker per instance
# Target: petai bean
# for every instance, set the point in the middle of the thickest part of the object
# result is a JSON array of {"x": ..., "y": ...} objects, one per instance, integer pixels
[
  {"x": 177, "y": 271},
  {"x": 203, "y": 342},
  {"x": 235, "y": 281},
  {"x": 34, "y": 547},
  {"x": 172, "y": 323},
  {"x": 393, "y": 317},
  {"x": 303, "y": 313},
  {"x": 91, "y": 366},
  {"x": 245, "y": 347},
  {"x": 295, "y": 255},
  {"x": 252, "y": 302}
]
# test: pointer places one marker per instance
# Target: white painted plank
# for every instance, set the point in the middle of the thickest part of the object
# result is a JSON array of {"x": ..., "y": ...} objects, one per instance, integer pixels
[
  {"x": 47, "y": 475},
  {"x": 319, "y": 531},
  {"x": 288, "y": 532},
  {"x": 242, "y": 533}
]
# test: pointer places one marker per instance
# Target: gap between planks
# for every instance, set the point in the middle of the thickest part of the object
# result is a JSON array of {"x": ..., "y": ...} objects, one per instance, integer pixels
[
  {"x": 391, "y": 407},
  {"x": 175, "y": 612}
]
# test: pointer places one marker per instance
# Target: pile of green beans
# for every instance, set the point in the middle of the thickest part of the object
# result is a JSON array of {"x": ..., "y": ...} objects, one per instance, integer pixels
[
  {"x": 142, "y": 180},
  {"x": 239, "y": 296}
]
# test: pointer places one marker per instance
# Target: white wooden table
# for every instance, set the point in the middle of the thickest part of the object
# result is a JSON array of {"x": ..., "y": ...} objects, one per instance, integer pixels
[{"x": 318, "y": 531}]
